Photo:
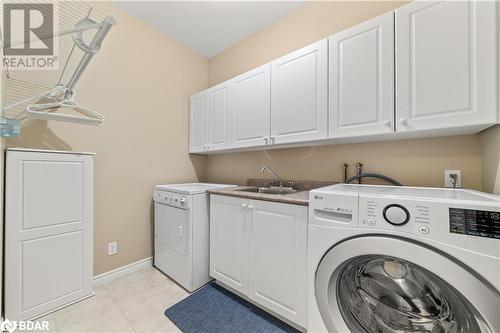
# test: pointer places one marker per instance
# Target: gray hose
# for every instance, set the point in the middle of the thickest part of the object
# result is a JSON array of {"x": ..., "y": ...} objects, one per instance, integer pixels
[{"x": 374, "y": 175}]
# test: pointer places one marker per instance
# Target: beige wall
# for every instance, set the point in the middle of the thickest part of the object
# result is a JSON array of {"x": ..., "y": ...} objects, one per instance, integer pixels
[
  {"x": 305, "y": 25},
  {"x": 141, "y": 81},
  {"x": 413, "y": 162},
  {"x": 490, "y": 144}
]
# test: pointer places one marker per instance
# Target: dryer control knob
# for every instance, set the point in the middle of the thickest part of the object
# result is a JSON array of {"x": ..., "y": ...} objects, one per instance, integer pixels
[{"x": 396, "y": 214}]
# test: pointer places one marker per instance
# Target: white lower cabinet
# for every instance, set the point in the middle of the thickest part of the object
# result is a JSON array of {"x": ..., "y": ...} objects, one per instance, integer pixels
[
  {"x": 278, "y": 257},
  {"x": 229, "y": 242},
  {"x": 259, "y": 249}
]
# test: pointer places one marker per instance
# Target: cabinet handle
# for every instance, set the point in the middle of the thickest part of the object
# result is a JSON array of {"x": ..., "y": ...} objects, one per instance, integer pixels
[
  {"x": 250, "y": 207},
  {"x": 266, "y": 140},
  {"x": 181, "y": 232},
  {"x": 273, "y": 139},
  {"x": 388, "y": 123},
  {"x": 403, "y": 121},
  {"x": 243, "y": 205},
  {"x": 208, "y": 147}
]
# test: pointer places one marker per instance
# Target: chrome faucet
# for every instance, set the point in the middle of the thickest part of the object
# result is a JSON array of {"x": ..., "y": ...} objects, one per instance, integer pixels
[{"x": 264, "y": 169}]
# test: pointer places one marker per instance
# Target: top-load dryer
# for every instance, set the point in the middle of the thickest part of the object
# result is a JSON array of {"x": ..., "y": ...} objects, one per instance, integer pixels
[{"x": 182, "y": 232}]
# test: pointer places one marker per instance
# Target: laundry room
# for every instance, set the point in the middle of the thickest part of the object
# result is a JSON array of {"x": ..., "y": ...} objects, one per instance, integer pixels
[{"x": 250, "y": 166}]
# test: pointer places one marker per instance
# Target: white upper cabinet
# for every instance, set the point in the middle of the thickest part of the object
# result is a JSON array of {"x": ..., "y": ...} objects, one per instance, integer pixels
[
  {"x": 299, "y": 91},
  {"x": 428, "y": 68},
  {"x": 445, "y": 65},
  {"x": 251, "y": 107},
  {"x": 197, "y": 122},
  {"x": 218, "y": 111},
  {"x": 361, "y": 75}
]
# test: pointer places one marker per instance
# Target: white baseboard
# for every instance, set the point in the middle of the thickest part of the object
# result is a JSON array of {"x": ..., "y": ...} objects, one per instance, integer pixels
[{"x": 114, "y": 274}]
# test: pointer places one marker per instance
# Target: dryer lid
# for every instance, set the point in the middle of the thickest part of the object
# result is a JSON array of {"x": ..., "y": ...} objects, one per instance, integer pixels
[{"x": 191, "y": 188}]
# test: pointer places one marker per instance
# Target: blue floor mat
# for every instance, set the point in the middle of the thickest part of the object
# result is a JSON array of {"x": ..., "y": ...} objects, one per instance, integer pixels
[{"x": 213, "y": 309}]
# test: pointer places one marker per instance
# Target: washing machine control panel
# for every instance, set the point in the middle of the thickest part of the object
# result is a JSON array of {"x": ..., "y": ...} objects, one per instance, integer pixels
[
  {"x": 384, "y": 213},
  {"x": 474, "y": 222}
]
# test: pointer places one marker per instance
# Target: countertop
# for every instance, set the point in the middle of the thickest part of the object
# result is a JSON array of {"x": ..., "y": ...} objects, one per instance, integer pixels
[{"x": 298, "y": 198}]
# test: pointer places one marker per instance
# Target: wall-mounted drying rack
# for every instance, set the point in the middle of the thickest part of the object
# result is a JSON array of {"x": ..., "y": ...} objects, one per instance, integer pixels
[{"x": 38, "y": 101}]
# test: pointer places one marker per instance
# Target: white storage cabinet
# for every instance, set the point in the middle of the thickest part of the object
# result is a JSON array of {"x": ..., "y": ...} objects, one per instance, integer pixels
[
  {"x": 362, "y": 79},
  {"x": 299, "y": 95},
  {"x": 251, "y": 108},
  {"x": 259, "y": 249},
  {"x": 48, "y": 231},
  {"x": 445, "y": 64},
  {"x": 198, "y": 118}
]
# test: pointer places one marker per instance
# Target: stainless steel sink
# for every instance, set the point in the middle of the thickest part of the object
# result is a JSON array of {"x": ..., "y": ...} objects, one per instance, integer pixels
[{"x": 271, "y": 190}]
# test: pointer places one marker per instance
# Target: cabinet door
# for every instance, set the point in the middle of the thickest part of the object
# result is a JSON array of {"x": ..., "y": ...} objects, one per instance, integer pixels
[
  {"x": 198, "y": 122},
  {"x": 229, "y": 242},
  {"x": 251, "y": 107},
  {"x": 445, "y": 60},
  {"x": 277, "y": 258},
  {"x": 218, "y": 133},
  {"x": 299, "y": 91},
  {"x": 48, "y": 231},
  {"x": 362, "y": 79}
]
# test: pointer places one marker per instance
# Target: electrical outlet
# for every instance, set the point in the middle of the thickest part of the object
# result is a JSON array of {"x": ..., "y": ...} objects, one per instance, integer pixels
[
  {"x": 448, "y": 179},
  {"x": 112, "y": 248}
]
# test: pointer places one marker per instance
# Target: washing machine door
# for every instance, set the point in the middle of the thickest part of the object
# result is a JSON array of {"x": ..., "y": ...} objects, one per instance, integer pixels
[{"x": 385, "y": 284}]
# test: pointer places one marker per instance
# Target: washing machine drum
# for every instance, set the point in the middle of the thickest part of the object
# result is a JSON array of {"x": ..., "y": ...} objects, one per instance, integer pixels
[{"x": 384, "y": 293}]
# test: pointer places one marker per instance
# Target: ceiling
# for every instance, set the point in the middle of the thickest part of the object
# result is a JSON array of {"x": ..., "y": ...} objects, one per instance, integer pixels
[{"x": 209, "y": 27}]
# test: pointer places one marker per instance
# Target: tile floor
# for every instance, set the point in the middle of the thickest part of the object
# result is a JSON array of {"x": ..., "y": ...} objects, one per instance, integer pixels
[{"x": 133, "y": 303}]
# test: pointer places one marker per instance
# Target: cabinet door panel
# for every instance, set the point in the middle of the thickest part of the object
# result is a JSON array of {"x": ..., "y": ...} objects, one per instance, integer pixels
[
  {"x": 445, "y": 56},
  {"x": 197, "y": 122},
  {"x": 228, "y": 242},
  {"x": 251, "y": 107},
  {"x": 277, "y": 260},
  {"x": 362, "y": 79},
  {"x": 218, "y": 117},
  {"x": 48, "y": 231},
  {"x": 299, "y": 95}
]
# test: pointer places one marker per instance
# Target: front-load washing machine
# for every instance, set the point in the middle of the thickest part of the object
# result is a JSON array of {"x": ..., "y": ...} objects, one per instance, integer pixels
[{"x": 402, "y": 259}]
